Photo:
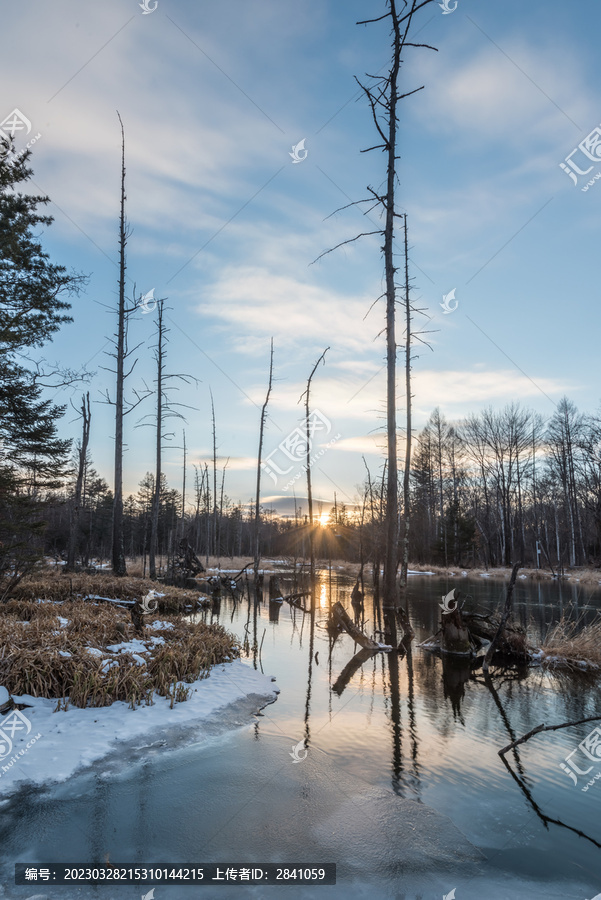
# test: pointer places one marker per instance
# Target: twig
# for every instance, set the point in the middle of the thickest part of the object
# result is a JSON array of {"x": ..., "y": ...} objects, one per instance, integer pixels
[{"x": 544, "y": 727}]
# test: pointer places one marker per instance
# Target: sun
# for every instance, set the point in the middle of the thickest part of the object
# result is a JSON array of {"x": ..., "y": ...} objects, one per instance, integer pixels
[{"x": 323, "y": 519}]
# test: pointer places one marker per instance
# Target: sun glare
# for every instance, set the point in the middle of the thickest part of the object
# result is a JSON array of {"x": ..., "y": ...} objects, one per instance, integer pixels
[{"x": 323, "y": 519}]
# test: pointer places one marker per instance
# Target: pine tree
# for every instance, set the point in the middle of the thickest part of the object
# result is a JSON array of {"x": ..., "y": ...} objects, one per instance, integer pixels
[{"x": 33, "y": 306}]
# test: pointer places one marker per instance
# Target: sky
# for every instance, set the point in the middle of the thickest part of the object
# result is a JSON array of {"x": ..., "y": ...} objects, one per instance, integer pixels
[{"x": 227, "y": 221}]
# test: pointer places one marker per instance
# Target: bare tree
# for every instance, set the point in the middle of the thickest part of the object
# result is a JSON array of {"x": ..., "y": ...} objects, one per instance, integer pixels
[
  {"x": 257, "y": 556},
  {"x": 165, "y": 408},
  {"x": 119, "y": 567},
  {"x": 214, "y": 477},
  {"x": 306, "y": 394},
  {"x": 383, "y": 97},
  {"x": 407, "y": 469},
  {"x": 81, "y": 468}
]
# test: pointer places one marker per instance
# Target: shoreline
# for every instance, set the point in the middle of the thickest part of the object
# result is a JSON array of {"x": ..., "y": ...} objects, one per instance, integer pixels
[{"x": 69, "y": 742}]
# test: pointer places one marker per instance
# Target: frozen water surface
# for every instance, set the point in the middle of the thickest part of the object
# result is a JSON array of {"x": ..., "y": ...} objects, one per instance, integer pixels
[{"x": 401, "y": 785}]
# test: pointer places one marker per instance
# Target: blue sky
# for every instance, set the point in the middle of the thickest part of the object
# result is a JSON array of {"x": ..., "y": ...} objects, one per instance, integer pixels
[{"x": 225, "y": 226}]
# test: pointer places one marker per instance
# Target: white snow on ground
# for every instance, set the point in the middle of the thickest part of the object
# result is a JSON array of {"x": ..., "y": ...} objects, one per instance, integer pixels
[
  {"x": 61, "y": 743},
  {"x": 412, "y": 572}
]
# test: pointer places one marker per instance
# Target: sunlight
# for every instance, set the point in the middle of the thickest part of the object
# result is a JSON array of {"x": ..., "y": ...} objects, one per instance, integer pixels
[
  {"x": 323, "y": 596},
  {"x": 323, "y": 519}
]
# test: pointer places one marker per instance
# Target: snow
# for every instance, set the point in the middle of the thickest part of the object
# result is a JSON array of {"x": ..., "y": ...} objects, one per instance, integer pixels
[
  {"x": 162, "y": 625},
  {"x": 4, "y": 696},
  {"x": 68, "y": 741},
  {"x": 110, "y": 600},
  {"x": 135, "y": 646},
  {"x": 484, "y": 575},
  {"x": 412, "y": 572}
]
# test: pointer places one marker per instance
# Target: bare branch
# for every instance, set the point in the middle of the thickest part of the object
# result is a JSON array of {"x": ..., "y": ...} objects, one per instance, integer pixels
[{"x": 350, "y": 241}]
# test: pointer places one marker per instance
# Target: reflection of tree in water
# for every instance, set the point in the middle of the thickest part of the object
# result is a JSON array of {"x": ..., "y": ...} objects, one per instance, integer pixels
[{"x": 522, "y": 781}]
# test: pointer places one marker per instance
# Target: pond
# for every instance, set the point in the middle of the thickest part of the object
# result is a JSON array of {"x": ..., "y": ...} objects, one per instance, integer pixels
[{"x": 387, "y": 766}]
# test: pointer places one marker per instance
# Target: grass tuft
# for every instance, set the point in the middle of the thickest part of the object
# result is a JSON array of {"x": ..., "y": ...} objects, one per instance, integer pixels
[{"x": 570, "y": 645}]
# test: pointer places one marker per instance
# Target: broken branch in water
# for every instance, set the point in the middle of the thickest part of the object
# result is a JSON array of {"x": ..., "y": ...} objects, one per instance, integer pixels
[
  {"x": 543, "y": 727},
  {"x": 504, "y": 618},
  {"x": 341, "y": 618}
]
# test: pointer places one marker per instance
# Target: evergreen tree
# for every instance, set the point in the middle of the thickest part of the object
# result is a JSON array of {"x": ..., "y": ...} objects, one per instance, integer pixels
[{"x": 33, "y": 306}]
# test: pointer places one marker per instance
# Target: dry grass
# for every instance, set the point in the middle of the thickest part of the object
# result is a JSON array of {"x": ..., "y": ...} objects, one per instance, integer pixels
[
  {"x": 43, "y": 657},
  {"x": 573, "y": 646},
  {"x": 56, "y": 586}
]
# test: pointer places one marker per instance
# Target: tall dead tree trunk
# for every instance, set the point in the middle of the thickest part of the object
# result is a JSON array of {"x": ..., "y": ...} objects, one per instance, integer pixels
[
  {"x": 407, "y": 470},
  {"x": 383, "y": 97},
  {"x": 306, "y": 395},
  {"x": 183, "y": 527},
  {"x": 81, "y": 467},
  {"x": 215, "y": 553},
  {"x": 156, "y": 499},
  {"x": 119, "y": 567},
  {"x": 257, "y": 553},
  {"x": 392, "y": 501}
]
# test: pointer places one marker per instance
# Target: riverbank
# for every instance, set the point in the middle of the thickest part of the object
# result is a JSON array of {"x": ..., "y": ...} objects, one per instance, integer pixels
[
  {"x": 91, "y": 662},
  {"x": 49, "y": 746}
]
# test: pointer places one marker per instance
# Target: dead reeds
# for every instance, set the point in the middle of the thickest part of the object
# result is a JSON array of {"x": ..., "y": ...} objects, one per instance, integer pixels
[
  {"x": 573, "y": 646},
  {"x": 62, "y": 650}
]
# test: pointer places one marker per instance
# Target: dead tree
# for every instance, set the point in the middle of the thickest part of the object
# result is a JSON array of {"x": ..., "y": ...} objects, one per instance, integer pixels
[
  {"x": 504, "y": 618},
  {"x": 306, "y": 395},
  {"x": 81, "y": 467},
  {"x": 118, "y": 550},
  {"x": 165, "y": 408},
  {"x": 407, "y": 469},
  {"x": 121, "y": 356},
  {"x": 383, "y": 97},
  {"x": 343, "y": 621},
  {"x": 257, "y": 554},
  {"x": 215, "y": 552}
]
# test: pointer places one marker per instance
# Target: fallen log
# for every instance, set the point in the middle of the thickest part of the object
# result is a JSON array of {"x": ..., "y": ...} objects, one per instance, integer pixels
[{"x": 341, "y": 618}]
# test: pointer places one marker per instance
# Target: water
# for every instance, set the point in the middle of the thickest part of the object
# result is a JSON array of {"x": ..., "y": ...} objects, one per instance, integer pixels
[{"x": 401, "y": 784}]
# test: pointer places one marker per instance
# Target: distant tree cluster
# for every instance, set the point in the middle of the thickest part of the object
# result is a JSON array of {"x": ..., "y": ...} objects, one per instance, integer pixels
[{"x": 505, "y": 485}]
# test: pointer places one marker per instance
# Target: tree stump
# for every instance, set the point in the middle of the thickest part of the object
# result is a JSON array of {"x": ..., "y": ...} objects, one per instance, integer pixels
[{"x": 455, "y": 637}]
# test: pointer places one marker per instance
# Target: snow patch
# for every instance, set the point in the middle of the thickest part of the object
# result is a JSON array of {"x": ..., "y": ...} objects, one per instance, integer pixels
[{"x": 76, "y": 738}]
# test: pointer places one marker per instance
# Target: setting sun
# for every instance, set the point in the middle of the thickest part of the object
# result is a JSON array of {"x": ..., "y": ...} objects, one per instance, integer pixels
[{"x": 323, "y": 519}]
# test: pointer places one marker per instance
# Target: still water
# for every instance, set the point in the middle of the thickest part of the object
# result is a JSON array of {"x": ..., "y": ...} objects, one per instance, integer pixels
[{"x": 398, "y": 779}]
